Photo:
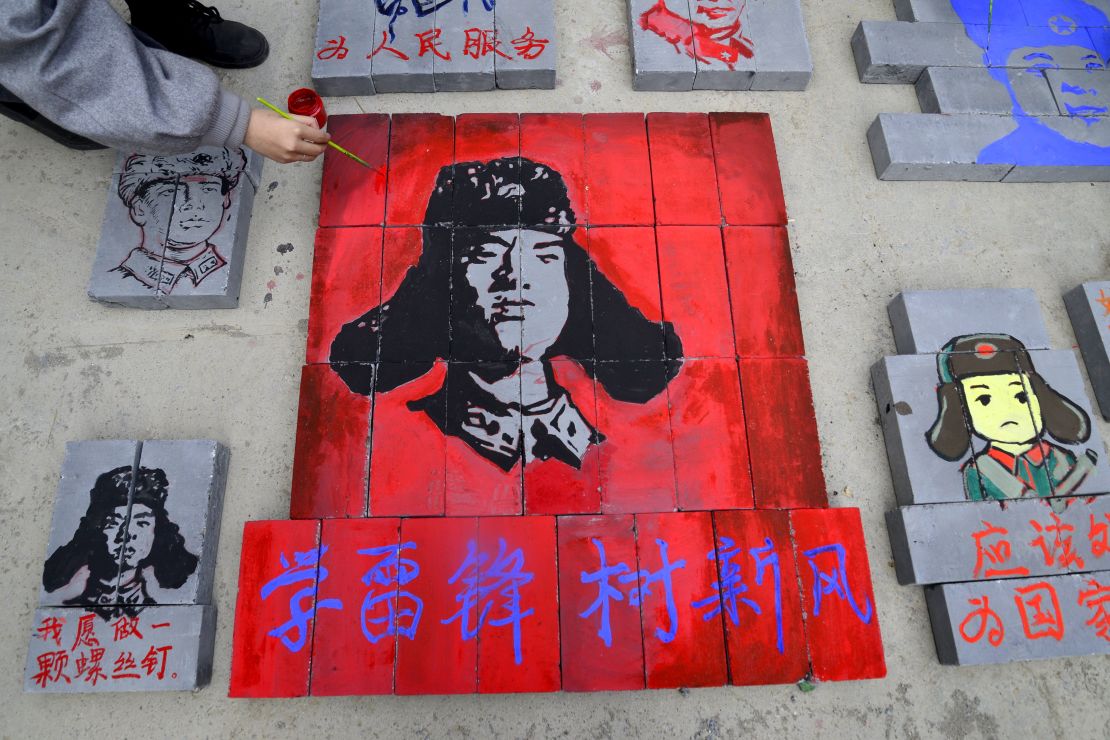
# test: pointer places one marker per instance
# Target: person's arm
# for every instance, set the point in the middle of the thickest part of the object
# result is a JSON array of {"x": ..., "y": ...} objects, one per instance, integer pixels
[{"x": 77, "y": 63}]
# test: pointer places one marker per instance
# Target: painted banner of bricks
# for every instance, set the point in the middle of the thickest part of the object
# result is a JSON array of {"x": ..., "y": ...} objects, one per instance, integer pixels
[{"x": 555, "y": 424}]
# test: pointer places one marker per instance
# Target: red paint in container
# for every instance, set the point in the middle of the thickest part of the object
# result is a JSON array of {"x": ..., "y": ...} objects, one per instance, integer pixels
[{"x": 305, "y": 102}]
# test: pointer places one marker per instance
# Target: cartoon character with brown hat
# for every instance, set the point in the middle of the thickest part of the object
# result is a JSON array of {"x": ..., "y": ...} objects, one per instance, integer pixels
[{"x": 988, "y": 383}]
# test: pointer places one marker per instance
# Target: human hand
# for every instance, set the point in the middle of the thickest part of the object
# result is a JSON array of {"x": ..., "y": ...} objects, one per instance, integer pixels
[{"x": 284, "y": 140}]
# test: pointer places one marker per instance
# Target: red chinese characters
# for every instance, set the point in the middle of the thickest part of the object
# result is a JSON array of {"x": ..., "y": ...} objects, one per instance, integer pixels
[{"x": 993, "y": 552}]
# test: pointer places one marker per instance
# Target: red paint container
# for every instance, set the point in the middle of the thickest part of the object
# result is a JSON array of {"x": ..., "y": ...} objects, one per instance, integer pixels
[{"x": 305, "y": 102}]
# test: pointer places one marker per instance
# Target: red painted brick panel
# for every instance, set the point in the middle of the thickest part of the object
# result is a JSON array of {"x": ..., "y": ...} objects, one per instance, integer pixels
[
  {"x": 407, "y": 466},
  {"x": 553, "y": 487},
  {"x": 626, "y": 260},
  {"x": 419, "y": 145},
  {"x": 764, "y": 298},
  {"x": 538, "y": 670},
  {"x": 556, "y": 140},
  {"x": 782, "y": 434},
  {"x": 695, "y": 289},
  {"x": 689, "y": 651},
  {"x": 747, "y": 169},
  {"x": 637, "y": 458},
  {"x": 477, "y": 486},
  {"x": 618, "y": 169},
  {"x": 712, "y": 470},
  {"x": 261, "y": 666},
  {"x": 589, "y": 664},
  {"x": 344, "y": 661},
  {"x": 480, "y": 137},
  {"x": 439, "y": 660},
  {"x": 755, "y": 547},
  {"x": 331, "y": 456},
  {"x": 346, "y": 282},
  {"x": 841, "y": 621},
  {"x": 350, "y": 193},
  {"x": 682, "y": 171}
]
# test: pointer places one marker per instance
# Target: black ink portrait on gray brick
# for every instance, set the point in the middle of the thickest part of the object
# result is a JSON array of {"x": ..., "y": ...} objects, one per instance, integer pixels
[
  {"x": 501, "y": 288},
  {"x": 178, "y": 203},
  {"x": 117, "y": 551}
]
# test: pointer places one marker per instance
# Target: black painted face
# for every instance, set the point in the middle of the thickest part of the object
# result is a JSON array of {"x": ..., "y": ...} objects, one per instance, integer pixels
[{"x": 518, "y": 281}]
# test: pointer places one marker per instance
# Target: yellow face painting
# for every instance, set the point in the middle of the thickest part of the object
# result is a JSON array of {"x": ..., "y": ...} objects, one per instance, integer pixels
[{"x": 1003, "y": 408}]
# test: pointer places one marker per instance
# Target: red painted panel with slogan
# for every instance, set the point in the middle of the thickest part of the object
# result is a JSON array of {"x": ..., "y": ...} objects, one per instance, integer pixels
[
  {"x": 841, "y": 623},
  {"x": 545, "y": 369},
  {"x": 680, "y": 600},
  {"x": 354, "y": 648},
  {"x": 271, "y": 646},
  {"x": 763, "y": 609}
]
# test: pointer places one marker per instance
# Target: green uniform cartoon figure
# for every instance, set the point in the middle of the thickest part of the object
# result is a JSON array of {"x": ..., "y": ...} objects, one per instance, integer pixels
[{"x": 989, "y": 388}]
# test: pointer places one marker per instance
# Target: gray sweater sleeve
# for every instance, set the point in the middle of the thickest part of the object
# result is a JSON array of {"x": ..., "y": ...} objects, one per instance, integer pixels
[{"x": 77, "y": 63}]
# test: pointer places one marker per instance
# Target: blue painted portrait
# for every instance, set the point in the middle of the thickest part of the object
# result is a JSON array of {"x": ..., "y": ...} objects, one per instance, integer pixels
[{"x": 1063, "y": 42}]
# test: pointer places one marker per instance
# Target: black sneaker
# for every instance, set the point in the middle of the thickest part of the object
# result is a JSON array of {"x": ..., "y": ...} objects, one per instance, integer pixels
[
  {"x": 193, "y": 30},
  {"x": 27, "y": 115}
]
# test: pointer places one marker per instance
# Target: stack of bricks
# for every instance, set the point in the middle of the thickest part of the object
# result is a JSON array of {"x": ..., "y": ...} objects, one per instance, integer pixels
[
  {"x": 691, "y": 543},
  {"x": 1005, "y": 578},
  {"x": 1009, "y": 91},
  {"x": 126, "y": 601},
  {"x": 1089, "y": 309},
  {"x": 200, "y": 203},
  {"x": 365, "y": 48},
  {"x": 718, "y": 45}
]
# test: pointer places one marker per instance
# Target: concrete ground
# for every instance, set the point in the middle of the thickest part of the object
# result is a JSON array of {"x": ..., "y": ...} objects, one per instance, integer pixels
[{"x": 71, "y": 369}]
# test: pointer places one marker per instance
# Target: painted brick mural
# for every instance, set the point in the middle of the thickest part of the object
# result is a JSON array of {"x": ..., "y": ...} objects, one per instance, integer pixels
[
  {"x": 126, "y": 597},
  {"x": 1000, "y": 476},
  {"x": 555, "y": 426},
  {"x": 1010, "y": 90}
]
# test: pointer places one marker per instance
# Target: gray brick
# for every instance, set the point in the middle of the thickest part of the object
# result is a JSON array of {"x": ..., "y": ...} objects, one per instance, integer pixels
[
  {"x": 220, "y": 289},
  {"x": 391, "y": 73},
  {"x": 121, "y": 238},
  {"x": 945, "y": 543},
  {"x": 657, "y": 64},
  {"x": 119, "y": 235},
  {"x": 181, "y": 636},
  {"x": 718, "y": 75},
  {"x": 974, "y": 90},
  {"x": 1060, "y": 369},
  {"x": 782, "y": 58},
  {"x": 463, "y": 72},
  {"x": 349, "y": 73},
  {"x": 84, "y": 463},
  {"x": 920, "y": 146},
  {"x": 1080, "y": 88},
  {"x": 905, "y": 391},
  {"x": 515, "y": 19},
  {"x": 951, "y": 604},
  {"x": 896, "y": 52},
  {"x": 929, "y": 11},
  {"x": 1092, "y": 330},
  {"x": 1058, "y": 173},
  {"x": 925, "y": 320},
  {"x": 196, "y": 473},
  {"x": 1001, "y": 12}
]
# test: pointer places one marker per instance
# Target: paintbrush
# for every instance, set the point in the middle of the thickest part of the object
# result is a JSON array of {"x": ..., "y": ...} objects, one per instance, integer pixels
[{"x": 332, "y": 144}]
